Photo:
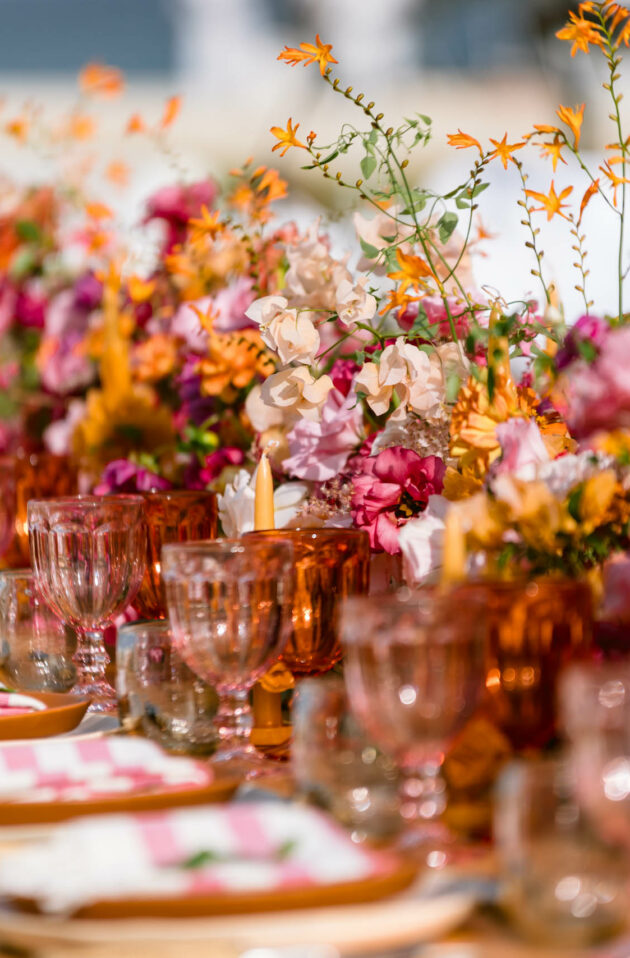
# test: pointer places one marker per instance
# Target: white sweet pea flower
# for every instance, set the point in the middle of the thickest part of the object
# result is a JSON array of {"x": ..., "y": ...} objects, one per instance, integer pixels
[
  {"x": 353, "y": 303},
  {"x": 290, "y": 333},
  {"x": 422, "y": 541},
  {"x": 296, "y": 391},
  {"x": 262, "y": 416},
  {"x": 407, "y": 372},
  {"x": 236, "y": 505},
  {"x": 313, "y": 274}
]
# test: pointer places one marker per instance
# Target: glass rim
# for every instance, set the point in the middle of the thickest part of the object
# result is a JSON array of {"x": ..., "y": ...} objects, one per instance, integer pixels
[
  {"x": 405, "y": 599},
  {"x": 157, "y": 624},
  {"x": 208, "y": 547},
  {"x": 17, "y": 573},
  {"x": 87, "y": 500},
  {"x": 176, "y": 493},
  {"x": 313, "y": 532}
]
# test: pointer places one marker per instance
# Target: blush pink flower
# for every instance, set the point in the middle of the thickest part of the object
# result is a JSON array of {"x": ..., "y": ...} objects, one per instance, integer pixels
[
  {"x": 522, "y": 446},
  {"x": 598, "y": 393},
  {"x": 121, "y": 475},
  {"x": 394, "y": 487},
  {"x": 320, "y": 450}
]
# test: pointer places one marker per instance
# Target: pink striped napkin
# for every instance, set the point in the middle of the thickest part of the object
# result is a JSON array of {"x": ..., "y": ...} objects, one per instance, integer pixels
[
  {"x": 67, "y": 770},
  {"x": 14, "y": 703},
  {"x": 217, "y": 849}
]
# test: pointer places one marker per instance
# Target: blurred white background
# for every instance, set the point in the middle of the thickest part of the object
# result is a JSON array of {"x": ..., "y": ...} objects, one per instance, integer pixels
[{"x": 487, "y": 66}]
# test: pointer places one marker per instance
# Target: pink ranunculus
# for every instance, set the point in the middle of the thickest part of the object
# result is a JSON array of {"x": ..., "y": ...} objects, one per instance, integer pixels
[
  {"x": 121, "y": 475},
  {"x": 30, "y": 309},
  {"x": 395, "y": 486},
  {"x": 586, "y": 330},
  {"x": 320, "y": 450},
  {"x": 522, "y": 446},
  {"x": 230, "y": 304}
]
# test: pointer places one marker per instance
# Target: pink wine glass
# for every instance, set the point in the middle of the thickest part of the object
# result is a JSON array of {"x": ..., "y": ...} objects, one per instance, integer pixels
[
  {"x": 88, "y": 556},
  {"x": 230, "y": 604}
]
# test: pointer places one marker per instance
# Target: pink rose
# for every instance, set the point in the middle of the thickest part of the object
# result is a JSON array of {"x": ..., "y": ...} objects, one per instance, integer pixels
[
  {"x": 320, "y": 450},
  {"x": 395, "y": 486}
]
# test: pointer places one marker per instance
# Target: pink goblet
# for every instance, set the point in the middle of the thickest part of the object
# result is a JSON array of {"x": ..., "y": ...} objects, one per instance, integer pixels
[
  {"x": 414, "y": 669},
  {"x": 88, "y": 556},
  {"x": 229, "y": 604}
]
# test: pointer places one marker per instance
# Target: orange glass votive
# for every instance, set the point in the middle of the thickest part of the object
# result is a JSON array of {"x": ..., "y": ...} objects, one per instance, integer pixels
[
  {"x": 330, "y": 564},
  {"x": 174, "y": 515},
  {"x": 534, "y": 630},
  {"x": 38, "y": 475}
]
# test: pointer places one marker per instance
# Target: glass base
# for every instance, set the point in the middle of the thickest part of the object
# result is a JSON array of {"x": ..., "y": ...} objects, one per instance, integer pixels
[
  {"x": 242, "y": 762},
  {"x": 102, "y": 695}
]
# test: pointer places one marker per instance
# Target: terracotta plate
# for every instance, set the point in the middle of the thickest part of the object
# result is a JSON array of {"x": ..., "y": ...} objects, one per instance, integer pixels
[
  {"x": 395, "y": 876},
  {"x": 63, "y": 713},
  {"x": 39, "y": 813}
]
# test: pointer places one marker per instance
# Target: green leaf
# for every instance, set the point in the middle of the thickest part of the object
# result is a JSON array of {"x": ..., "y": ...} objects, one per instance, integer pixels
[
  {"x": 587, "y": 350},
  {"x": 330, "y": 157},
  {"x": 453, "y": 383},
  {"x": 199, "y": 859},
  {"x": 425, "y": 119},
  {"x": 369, "y": 251},
  {"x": 368, "y": 165},
  {"x": 446, "y": 224},
  {"x": 479, "y": 188},
  {"x": 575, "y": 497},
  {"x": 28, "y": 231},
  {"x": 462, "y": 204}
]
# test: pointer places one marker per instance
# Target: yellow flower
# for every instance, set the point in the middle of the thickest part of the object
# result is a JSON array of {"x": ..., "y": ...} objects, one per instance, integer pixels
[
  {"x": 233, "y": 361},
  {"x": 596, "y": 501},
  {"x": 115, "y": 425},
  {"x": 458, "y": 485},
  {"x": 475, "y": 418}
]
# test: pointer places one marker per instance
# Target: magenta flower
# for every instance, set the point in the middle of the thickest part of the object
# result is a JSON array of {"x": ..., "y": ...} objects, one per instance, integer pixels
[
  {"x": 598, "y": 393},
  {"x": 394, "y": 486},
  {"x": 121, "y": 475},
  {"x": 586, "y": 336},
  {"x": 177, "y": 204}
]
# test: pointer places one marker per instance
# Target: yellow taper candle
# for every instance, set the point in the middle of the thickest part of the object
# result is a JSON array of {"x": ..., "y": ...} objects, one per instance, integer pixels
[
  {"x": 264, "y": 517},
  {"x": 454, "y": 555}
]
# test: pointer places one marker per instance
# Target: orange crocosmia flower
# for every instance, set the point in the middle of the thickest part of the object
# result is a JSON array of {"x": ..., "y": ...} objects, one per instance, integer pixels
[
  {"x": 171, "y": 111},
  {"x": 551, "y": 202},
  {"x": 580, "y": 32},
  {"x": 206, "y": 319},
  {"x": 317, "y": 52},
  {"x": 483, "y": 233},
  {"x": 209, "y": 224},
  {"x": 154, "y": 358},
  {"x": 97, "y": 79},
  {"x": 413, "y": 270},
  {"x": 590, "y": 192},
  {"x": 272, "y": 186},
  {"x": 398, "y": 301},
  {"x": 286, "y": 138},
  {"x": 504, "y": 150},
  {"x": 614, "y": 180},
  {"x": 81, "y": 126},
  {"x": 140, "y": 290},
  {"x": 117, "y": 172},
  {"x": 18, "y": 128},
  {"x": 98, "y": 211},
  {"x": 462, "y": 141},
  {"x": 573, "y": 119},
  {"x": 233, "y": 361},
  {"x": 135, "y": 124},
  {"x": 553, "y": 150}
]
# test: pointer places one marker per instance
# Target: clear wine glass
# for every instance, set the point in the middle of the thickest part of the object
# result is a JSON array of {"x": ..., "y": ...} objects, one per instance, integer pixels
[
  {"x": 414, "y": 669},
  {"x": 88, "y": 557},
  {"x": 230, "y": 604}
]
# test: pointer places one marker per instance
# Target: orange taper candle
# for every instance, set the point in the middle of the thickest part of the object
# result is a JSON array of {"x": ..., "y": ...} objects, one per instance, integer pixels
[{"x": 264, "y": 517}]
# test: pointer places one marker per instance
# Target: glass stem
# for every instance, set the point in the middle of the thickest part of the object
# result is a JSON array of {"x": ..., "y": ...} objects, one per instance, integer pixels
[
  {"x": 234, "y": 719},
  {"x": 91, "y": 659},
  {"x": 423, "y": 793}
]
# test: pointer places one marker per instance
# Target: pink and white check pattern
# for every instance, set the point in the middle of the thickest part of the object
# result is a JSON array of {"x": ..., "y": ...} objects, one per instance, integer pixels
[
  {"x": 56, "y": 770},
  {"x": 14, "y": 703},
  {"x": 254, "y": 847}
]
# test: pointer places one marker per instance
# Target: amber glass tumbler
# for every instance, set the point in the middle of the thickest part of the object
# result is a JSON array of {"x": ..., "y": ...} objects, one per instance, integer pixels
[
  {"x": 37, "y": 475},
  {"x": 176, "y": 515},
  {"x": 330, "y": 565},
  {"x": 535, "y": 629}
]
